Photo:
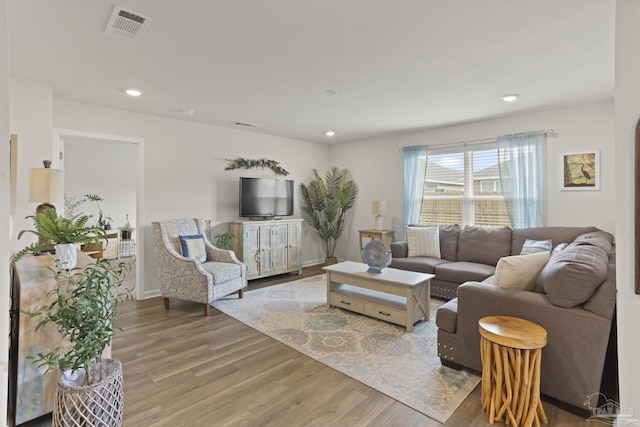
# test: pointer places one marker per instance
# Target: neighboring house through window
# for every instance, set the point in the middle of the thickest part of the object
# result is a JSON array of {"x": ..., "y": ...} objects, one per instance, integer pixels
[{"x": 462, "y": 186}]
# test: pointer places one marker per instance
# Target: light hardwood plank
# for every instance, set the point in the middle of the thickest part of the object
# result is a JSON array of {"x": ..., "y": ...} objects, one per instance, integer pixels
[{"x": 182, "y": 369}]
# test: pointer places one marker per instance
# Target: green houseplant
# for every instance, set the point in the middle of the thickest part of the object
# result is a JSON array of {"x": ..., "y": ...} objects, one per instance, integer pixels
[
  {"x": 83, "y": 306},
  {"x": 104, "y": 221},
  {"x": 324, "y": 204},
  {"x": 126, "y": 230},
  {"x": 225, "y": 240},
  {"x": 59, "y": 230}
]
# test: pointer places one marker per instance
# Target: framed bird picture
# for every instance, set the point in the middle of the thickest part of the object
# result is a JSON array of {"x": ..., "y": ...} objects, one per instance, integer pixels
[{"x": 581, "y": 171}]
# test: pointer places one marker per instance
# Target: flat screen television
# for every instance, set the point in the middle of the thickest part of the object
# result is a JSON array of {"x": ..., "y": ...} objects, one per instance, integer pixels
[{"x": 266, "y": 198}]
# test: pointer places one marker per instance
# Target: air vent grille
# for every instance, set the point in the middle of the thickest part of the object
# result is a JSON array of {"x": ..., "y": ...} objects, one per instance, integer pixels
[{"x": 126, "y": 23}]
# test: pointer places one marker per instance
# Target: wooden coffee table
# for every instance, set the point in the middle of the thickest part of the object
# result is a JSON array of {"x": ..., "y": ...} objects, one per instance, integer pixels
[{"x": 397, "y": 296}]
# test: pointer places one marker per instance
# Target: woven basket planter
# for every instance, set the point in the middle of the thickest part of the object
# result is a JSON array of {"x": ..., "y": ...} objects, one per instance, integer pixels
[{"x": 100, "y": 404}]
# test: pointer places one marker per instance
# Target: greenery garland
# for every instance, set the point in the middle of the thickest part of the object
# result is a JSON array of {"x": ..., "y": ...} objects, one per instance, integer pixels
[{"x": 240, "y": 163}]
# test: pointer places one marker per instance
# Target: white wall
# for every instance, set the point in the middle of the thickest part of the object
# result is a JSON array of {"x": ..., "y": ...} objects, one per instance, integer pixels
[
  {"x": 106, "y": 168},
  {"x": 627, "y": 113},
  {"x": 31, "y": 120},
  {"x": 184, "y": 165},
  {"x": 4, "y": 211},
  {"x": 377, "y": 166}
]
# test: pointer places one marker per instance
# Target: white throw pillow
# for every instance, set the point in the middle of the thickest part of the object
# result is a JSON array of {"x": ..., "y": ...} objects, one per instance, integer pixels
[
  {"x": 520, "y": 271},
  {"x": 423, "y": 241}
]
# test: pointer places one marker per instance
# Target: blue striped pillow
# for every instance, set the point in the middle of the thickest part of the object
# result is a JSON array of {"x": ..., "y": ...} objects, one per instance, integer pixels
[
  {"x": 193, "y": 247},
  {"x": 535, "y": 246}
]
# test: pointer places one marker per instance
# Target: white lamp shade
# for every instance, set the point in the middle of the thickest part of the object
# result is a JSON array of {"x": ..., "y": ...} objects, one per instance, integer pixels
[
  {"x": 46, "y": 185},
  {"x": 378, "y": 207}
]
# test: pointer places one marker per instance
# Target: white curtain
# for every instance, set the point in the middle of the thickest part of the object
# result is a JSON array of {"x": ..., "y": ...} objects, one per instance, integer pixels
[
  {"x": 414, "y": 170},
  {"x": 522, "y": 158}
]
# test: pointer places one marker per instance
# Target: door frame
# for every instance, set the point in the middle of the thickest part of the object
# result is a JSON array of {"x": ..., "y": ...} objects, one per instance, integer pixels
[{"x": 58, "y": 142}]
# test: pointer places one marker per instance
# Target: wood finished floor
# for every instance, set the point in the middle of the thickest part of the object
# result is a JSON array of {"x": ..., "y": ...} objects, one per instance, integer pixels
[{"x": 183, "y": 369}]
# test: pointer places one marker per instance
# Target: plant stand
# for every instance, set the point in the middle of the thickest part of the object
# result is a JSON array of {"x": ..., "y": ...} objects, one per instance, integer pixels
[{"x": 100, "y": 404}]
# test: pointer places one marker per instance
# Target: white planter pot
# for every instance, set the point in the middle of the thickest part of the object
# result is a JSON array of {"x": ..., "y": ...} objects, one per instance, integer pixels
[{"x": 67, "y": 253}]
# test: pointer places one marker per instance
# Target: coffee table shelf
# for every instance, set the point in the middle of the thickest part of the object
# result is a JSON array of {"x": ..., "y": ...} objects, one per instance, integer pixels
[{"x": 397, "y": 296}]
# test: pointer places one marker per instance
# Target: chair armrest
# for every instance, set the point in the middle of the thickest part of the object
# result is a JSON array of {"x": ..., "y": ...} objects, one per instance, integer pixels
[
  {"x": 181, "y": 262},
  {"x": 220, "y": 255}
]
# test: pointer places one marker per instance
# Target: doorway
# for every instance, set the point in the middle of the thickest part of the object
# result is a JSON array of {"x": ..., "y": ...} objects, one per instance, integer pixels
[{"x": 111, "y": 167}]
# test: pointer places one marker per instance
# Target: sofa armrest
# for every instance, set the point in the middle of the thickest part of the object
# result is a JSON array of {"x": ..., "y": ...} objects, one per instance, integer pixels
[
  {"x": 399, "y": 249},
  {"x": 577, "y": 339}
]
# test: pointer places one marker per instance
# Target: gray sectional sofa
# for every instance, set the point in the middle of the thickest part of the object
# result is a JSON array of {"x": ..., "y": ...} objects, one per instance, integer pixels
[
  {"x": 574, "y": 300},
  {"x": 470, "y": 253}
]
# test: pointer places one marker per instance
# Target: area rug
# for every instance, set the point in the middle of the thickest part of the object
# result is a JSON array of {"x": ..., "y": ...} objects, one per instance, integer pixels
[{"x": 402, "y": 365}]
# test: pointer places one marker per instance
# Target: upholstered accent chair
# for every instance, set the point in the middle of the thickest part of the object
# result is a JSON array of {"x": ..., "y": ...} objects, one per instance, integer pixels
[{"x": 191, "y": 268}]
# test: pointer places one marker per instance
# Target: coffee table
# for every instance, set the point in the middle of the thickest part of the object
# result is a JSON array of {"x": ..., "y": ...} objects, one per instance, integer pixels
[{"x": 397, "y": 296}]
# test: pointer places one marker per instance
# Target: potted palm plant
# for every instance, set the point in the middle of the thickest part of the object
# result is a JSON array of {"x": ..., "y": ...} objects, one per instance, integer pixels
[
  {"x": 65, "y": 234},
  {"x": 325, "y": 203},
  {"x": 83, "y": 306}
]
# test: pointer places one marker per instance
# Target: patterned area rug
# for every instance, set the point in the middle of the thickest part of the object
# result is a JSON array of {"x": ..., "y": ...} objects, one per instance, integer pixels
[{"x": 402, "y": 365}]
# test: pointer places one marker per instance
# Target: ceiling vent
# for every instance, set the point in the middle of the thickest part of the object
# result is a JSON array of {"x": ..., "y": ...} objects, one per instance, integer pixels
[{"x": 127, "y": 23}]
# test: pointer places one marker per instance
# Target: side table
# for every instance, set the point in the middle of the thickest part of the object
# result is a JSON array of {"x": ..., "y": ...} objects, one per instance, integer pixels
[
  {"x": 511, "y": 351},
  {"x": 387, "y": 236}
]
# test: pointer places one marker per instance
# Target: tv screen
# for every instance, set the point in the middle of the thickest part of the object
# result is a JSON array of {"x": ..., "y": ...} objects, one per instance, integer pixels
[{"x": 262, "y": 198}]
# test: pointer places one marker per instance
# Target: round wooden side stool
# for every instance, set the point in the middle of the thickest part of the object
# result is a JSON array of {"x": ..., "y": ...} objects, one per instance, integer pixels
[{"x": 511, "y": 351}]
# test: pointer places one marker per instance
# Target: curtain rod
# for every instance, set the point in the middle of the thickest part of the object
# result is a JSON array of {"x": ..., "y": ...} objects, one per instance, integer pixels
[{"x": 549, "y": 132}]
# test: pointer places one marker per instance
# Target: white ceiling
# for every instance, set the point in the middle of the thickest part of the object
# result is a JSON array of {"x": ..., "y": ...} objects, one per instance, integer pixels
[{"x": 397, "y": 64}]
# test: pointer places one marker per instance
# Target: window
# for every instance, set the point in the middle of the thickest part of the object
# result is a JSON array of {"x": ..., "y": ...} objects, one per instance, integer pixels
[{"x": 463, "y": 187}]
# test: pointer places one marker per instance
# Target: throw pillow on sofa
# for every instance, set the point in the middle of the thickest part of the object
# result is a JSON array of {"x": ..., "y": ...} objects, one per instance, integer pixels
[
  {"x": 423, "y": 241},
  {"x": 571, "y": 276},
  {"x": 534, "y": 246},
  {"x": 520, "y": 272}
]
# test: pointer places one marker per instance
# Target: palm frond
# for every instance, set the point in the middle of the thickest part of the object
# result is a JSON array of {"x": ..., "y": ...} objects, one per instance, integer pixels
[{"x": 324, "y": 204}]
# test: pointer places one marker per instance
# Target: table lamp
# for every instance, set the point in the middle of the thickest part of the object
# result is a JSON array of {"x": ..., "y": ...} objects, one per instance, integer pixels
[
  {"x": 46, "y": 186},
  {"x": 379, "y": 208}
]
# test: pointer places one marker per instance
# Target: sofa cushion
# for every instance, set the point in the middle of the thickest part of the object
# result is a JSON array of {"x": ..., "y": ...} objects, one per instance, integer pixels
[
  {"x": 419, "y": 264},
  {"x": 462, "y": 271},
  {"x": 446, "y": 316},
  {"x": 559, "y": 248},
  {"x": 603, "y": 300},
  {"x": 423, "y": 241},
  {"x": 570, "y": 277},
  {"x": 449, "y": 235},
  {"x": 484, "y": 245},
  {"x": 399, "y": 249},
  {"x": 601, "y": 239},
  {"x": 520, "y": 271},
  {"x": 534, "y": 246},
  {"x": 556, "y": 234}
]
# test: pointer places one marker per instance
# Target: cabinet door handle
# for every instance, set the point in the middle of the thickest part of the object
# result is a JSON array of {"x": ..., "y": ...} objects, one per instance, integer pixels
[
  {"x": 345, "y": 302},
  {"x": 384, "y": 314}
]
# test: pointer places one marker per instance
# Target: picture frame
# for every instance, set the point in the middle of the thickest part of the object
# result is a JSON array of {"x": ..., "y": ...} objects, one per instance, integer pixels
[{"x": 581, "y": 171}]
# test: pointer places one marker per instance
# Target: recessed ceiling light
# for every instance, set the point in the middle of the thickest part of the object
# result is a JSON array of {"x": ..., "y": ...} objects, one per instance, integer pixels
[
  {"x": 510, "y": 98},
  {"x": 330, "y": 133},
  {"x": 133, "y": 92},
  {"x": 331, "y": 92},
  {"x": 188, "y": 111}
]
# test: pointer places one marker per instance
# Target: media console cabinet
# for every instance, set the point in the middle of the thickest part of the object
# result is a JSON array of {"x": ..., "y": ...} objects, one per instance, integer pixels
[
  {"x": 397, "y": 296},
  {"x": 268, "y": 247}
]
